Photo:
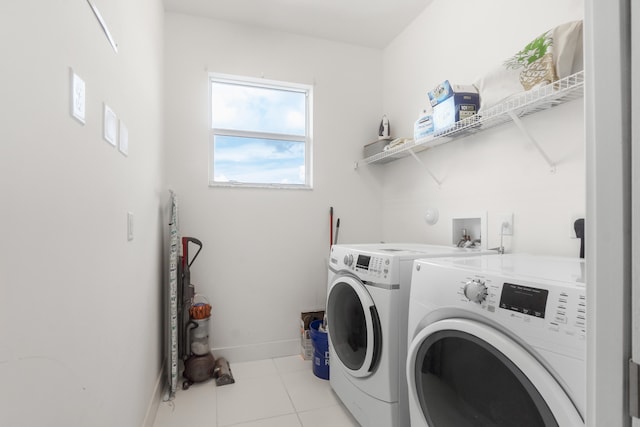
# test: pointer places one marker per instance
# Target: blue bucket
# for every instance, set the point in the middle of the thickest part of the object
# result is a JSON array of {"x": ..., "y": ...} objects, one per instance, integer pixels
[{"x": 320, "y": 350}]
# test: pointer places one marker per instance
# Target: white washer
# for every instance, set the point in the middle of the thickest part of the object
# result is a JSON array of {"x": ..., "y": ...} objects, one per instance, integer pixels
[
  {"x": 367, "y": 306},
  {"x": 497, "y": 341}
]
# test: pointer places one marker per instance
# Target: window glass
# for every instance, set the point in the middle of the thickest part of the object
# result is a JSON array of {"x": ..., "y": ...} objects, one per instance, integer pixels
[
  {"x": 257, "y": 109},
  {"x": 259, "y": 161},
  {"x": 260, "y": 133}
]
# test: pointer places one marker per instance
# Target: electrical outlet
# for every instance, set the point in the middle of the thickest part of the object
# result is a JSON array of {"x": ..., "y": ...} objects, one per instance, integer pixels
[
  {"x": 78, "y": 106},
  {"x": 505, "y": 224}
]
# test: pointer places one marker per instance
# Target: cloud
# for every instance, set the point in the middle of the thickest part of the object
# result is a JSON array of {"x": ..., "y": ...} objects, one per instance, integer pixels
[
  {"x": 253, "y": 160},
  {"x": 258, "y": 109},
  {"x": 238, "y": 149}
]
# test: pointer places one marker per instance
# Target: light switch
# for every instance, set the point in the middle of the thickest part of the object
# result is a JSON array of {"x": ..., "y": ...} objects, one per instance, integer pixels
[
  {"x": 123, "y": 139},
  {"x": 110, "y": 126},
  {"x": 129, "y": 226},
  {"x": 77, "y": 97}
]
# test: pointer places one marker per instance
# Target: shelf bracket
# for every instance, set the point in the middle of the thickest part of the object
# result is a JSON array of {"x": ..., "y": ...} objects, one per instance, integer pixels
[
  {"x": 532, "y": 140},
  {"x": 425, "y": 167}
]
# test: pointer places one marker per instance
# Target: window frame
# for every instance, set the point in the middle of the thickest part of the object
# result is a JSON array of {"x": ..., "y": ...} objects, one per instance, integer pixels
[{"x": 307, "y": 138}]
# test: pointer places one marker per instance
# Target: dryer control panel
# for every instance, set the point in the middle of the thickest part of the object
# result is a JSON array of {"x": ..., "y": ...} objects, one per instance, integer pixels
[
  {"x": 541, "y": 300},
  {"x": 527, "y": 300},
  {"x": 552, "y": 312}
]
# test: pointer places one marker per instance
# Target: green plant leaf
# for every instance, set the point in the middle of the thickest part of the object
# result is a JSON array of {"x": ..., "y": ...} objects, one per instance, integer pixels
[{"x": 533, "y": 51}]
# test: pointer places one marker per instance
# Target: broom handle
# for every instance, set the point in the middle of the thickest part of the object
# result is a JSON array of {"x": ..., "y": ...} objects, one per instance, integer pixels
[{"x": 330, "y": 226}]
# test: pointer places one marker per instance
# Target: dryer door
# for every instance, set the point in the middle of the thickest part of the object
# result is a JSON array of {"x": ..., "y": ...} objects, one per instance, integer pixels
[
  {"x": 354, "y": 326},
  {"x": 465, "y": 373}
]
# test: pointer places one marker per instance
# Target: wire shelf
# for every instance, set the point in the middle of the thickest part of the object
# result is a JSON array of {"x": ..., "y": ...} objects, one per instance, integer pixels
[{"x": 537, "y": 99}]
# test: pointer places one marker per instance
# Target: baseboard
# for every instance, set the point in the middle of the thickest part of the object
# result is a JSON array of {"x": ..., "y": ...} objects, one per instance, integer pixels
[
  {"x": 156, "y": 397},
  {"x": 260, "y": 351}
]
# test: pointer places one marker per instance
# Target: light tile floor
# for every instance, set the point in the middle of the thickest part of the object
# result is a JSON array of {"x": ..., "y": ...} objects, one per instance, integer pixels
[{"x": 280, "y": 392}]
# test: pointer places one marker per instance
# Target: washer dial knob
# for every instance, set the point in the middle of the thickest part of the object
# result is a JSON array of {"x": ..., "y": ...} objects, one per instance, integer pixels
[
  {"x": 348, "y": 260},
  {"x": 475, "y": 290}
]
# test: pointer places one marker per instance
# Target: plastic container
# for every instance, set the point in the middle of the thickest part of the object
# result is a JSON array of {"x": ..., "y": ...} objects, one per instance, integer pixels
[
  {"x": 200, "y": 346},
  {"x": 200, "y": 337},
  {"x": 202, "y": 330},
  {"x": 320, "y": 343}
]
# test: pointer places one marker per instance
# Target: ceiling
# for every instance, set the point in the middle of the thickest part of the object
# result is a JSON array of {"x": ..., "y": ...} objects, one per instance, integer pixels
[{"x": 371, "y": 23}]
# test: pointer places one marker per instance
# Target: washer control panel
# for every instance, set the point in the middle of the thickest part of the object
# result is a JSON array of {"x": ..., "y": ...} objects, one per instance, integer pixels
[
  {"x": 367, "y": 266},
  {"x": 371, "y": 265}
]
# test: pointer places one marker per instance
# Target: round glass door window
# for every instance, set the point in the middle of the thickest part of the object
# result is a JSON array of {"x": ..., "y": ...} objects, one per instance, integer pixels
[
  {"x": 463, "y": 381},
  {"x": 347, "y": 325}
]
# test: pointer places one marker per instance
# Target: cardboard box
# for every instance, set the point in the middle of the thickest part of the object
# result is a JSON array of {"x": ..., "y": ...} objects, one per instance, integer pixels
[
  {"x": 423, "y": 127},
  {"x": 440, "y": 93},
  {"x": 445, "y": 90},
  {"x": 457, "y": 107},
  {"x": 306, "y": 317}
]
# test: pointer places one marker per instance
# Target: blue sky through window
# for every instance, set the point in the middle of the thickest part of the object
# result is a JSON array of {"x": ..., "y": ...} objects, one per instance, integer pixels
[
  {"x": 268, "y": 134},
  {"x": 258, "y": 161}
]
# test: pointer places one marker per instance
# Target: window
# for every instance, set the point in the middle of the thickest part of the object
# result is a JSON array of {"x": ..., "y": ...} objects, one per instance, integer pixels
[{"x": 260, "y": 133}]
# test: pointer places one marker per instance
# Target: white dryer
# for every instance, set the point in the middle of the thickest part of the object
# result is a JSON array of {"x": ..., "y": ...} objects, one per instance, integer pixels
[
  {"x": 367, "y": 306},
  {"x": 497, "y": 341}
]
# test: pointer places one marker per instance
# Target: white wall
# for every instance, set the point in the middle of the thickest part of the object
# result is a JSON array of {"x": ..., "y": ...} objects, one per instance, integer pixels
[
  {"x": 265, "y": 251},
  {"x": 80, "y": 339},
  {"x": 80, "y": 306},
  {"x": 494, "y": 172}
]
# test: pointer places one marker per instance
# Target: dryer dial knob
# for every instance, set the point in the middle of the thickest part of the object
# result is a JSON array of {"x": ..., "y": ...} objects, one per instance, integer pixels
[
  {"x": 475, "y": 290},
  {"x": 348, "y": 260}
]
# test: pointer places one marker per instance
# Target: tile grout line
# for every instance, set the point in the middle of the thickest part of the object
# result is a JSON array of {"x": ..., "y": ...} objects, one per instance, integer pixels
[
  {"x": 295, "y": 410},
  {"x": 217, "y": 407}
]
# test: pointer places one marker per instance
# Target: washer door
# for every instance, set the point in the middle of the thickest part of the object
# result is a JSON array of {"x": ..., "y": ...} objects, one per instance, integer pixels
[
  {"x": 465, "y": 373},
  {"x": 354, "y": 326}
]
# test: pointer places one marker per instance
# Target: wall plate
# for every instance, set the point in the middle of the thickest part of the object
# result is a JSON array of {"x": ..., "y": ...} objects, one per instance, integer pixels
[
  {"x": 78, "y": 102},
  {"x": 110, "y": 126},
  {"x": 129, "y": 226},
  {"x": 123, "y": 140},
  {"x": 505, "y": 224}
]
